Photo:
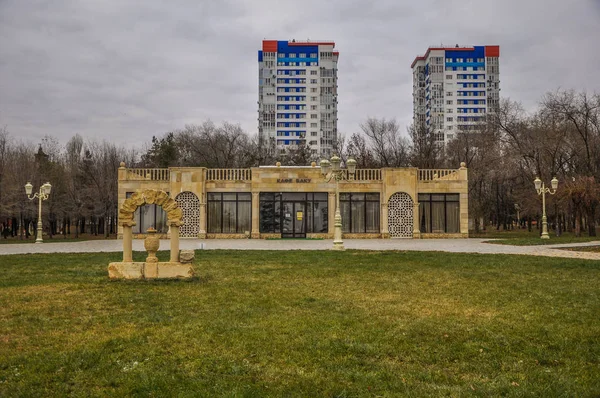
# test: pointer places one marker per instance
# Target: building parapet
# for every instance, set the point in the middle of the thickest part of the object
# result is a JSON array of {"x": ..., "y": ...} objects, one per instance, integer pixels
[
  {"x": 228, "y": 175},
  {"x": 148, "y": 174},
  {"x": 365, "y": 175},
  {"x": 162, "y": 174},
  {"x": 438, "y": 174}
]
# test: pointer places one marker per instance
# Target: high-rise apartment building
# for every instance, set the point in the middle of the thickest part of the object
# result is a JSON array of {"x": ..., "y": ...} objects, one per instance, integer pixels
[
  {"x": 297, "y": 94},
  {"x": 454, "y": 88}
]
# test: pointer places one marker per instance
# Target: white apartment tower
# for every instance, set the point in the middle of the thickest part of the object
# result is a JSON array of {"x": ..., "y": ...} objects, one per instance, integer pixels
[
  {"x": 454, "y": 89},
  {"x": 297, "y": 94}
]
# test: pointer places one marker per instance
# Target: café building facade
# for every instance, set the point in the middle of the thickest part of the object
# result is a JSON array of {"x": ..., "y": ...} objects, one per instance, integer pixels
[{"x": 298, "y": 202}]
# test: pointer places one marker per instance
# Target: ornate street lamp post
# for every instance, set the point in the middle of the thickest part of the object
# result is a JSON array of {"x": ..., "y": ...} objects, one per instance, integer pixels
[
  {"x": 542, "y": 190},
  {"x": 42, "y": 195},
  {"x": 333, "y": 170}
]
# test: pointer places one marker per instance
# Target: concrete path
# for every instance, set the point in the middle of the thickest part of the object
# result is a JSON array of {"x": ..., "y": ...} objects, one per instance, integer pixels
[{"x": 443, "y": 245}]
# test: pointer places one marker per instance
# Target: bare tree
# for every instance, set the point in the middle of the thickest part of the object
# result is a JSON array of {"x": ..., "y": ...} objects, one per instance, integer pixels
[
  {"x": 211, "y": 146},
  {"x": 425, "y": 152},
  {"x": 358, "y": 149},
  {"x": 390, "y": 149}
]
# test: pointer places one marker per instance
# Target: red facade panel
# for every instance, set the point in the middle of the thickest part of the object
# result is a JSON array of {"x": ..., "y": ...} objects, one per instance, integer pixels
[
  {"x": 270, "y": 46},
  {"x": 492, "y": 51},
  {"x": 415, "y": 61}
]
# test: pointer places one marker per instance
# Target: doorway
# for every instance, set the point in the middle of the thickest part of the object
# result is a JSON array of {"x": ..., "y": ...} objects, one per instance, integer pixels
[{"x": 293, "y": 215}]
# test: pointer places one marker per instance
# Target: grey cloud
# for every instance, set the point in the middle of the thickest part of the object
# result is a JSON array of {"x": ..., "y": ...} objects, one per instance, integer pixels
[{"x": 125, "y": 70}]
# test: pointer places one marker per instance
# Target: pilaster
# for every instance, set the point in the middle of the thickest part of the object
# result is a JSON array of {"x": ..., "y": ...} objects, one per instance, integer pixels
[
  {"x": 202, "y": 232},
  {"x": 385, "y": 233},
  {"x": 416, "y": 226},
  {"x": 255, "y": 234}
]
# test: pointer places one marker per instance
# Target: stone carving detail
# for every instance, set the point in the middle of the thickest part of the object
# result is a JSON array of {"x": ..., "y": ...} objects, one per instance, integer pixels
[
  {"x": 151, "y": 244},
  {"x": 189, "y": 206},
  {"x": 149, "y": 196},
  {"x": 400, "y": 215},
  {"x": 187, "y": 256}
]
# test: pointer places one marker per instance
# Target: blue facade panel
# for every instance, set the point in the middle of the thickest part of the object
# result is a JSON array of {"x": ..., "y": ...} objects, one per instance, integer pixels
[
  {"x": 465, "y": 64},
  {"x": 260, "y": 56},
  {"x": 284, "y": 47},
  {"x": 478, "y": 52},
  {"x": 296, "y": 59}
]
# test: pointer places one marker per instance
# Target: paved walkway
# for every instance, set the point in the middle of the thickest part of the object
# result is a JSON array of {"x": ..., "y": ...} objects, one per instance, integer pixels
[{"x": 443, "y": 245}]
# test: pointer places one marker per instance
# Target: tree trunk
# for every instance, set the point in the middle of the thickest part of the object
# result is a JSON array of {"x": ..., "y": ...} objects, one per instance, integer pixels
[
  {"x": 106, "y": 226},
  {"x": 592, "y": 221},
  {"x": 21, "y": 226},
  {"x": 577, "y": 223},
  {"x": 559, "y": 224}
]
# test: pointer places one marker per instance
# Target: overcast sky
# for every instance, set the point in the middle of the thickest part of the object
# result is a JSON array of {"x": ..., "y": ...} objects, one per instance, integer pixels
[{"x": 125, "y": 70}]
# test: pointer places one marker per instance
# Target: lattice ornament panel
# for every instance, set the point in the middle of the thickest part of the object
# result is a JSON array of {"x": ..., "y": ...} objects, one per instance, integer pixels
[
  {"x": 400, "y": 215},
  {"x": 190, "y": 206}
]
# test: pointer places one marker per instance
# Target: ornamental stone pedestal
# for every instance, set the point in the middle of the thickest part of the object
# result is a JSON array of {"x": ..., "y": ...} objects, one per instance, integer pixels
[
  {"x": 151, "y": 268},
  {"x": 151, "y": 244}
]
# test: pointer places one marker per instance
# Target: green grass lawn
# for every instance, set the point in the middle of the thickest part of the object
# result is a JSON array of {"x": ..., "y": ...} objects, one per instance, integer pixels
[
  {"x": 522, "y": 237},
  {"x": 593, "y": 249},
  {"x": 302, "y": 323}
]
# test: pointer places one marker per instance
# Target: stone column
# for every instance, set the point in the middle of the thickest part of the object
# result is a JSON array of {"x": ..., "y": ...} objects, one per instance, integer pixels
[
  {"x": 127, "y": 241},
  {"x": 416, "y": 227},
  {"x": 331, "y": 214},
  {"x": 202, "y": 232},
  {"x": 174, "y": 241},
  {"x": 255, "y": 233},
  {"x": 385, "y": 232}
]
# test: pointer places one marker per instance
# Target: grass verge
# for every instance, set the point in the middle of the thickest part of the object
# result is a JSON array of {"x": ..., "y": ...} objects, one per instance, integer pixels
[
  {"x": 522, "y": 237},
  {"x": 593, "y": 249},
  {"x": 302, "y": 323}
]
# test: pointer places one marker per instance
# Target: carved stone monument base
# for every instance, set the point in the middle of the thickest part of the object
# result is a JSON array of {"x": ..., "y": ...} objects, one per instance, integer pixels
[{"x": 139, "y": 270}]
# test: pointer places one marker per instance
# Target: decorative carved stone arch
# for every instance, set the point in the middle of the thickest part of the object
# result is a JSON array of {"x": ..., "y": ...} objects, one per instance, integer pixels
[
  {"x": 190, "y": 205},
  {"x": 400, "y": 215},
  {"x": 141, "y": 198}
]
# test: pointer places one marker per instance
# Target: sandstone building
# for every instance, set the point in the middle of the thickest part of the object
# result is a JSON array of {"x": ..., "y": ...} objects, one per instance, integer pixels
[{"x": 297, "y": 202}]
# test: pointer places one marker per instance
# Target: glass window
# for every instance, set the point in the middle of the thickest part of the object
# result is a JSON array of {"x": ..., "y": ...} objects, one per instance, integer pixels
[
  {"x": 319, "y": 217},
  {"x": 439, "y": 213},
  {"x": 294, "y": 196},
  {"x": 229, "y": 196},
  {"x": 372, "y": 217},
  {"x": 229, "y": 212},
  {"x": 372, "y": 197},
  {"x": 360, "y": 212},
  {"x": 346, "y": 214},
  {"x": 214, "y": 216},
  {"x": 270, "y": 206}
]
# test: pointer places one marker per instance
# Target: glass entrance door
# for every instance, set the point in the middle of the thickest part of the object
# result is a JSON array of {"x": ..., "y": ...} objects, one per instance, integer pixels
[{"x": 293, "y": 223}]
